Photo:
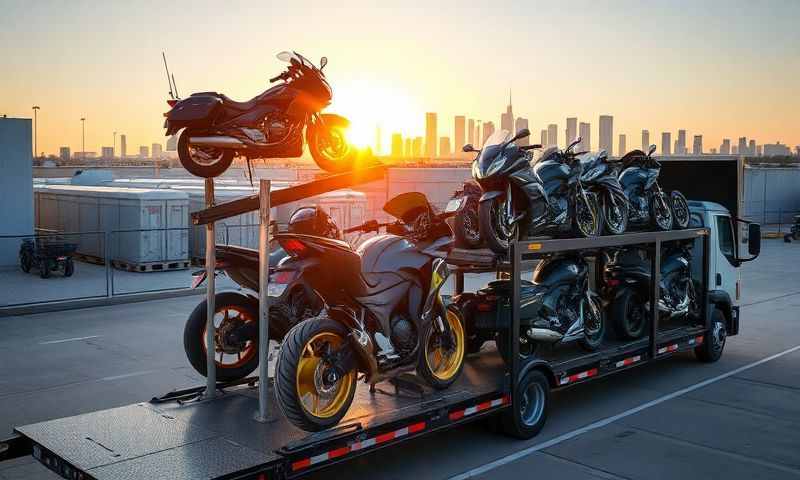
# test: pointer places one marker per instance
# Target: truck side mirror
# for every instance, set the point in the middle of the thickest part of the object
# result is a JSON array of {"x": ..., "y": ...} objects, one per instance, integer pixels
[{"x": 754, "y": 239}]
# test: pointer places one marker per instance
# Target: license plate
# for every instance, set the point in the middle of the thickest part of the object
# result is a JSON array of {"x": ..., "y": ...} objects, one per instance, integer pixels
[{"x": 454, "y": 205}]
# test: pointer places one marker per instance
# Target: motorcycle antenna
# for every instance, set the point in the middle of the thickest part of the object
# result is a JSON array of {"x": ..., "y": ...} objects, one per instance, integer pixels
[
  {"x": 170, "y": 78},
  {"x": 175, "y": 86}
]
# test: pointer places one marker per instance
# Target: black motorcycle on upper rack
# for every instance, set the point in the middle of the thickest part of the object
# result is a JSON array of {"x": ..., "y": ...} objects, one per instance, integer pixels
[
  {"x": 627, "y": 280},
  {"x": 548, "y": 198},
  {"x": 216, "y": 128},
  {"x": 600, "y": 177},
  {"x": 649, "y": 205},
  {"x": 383, "y": 313},
  {"x": 557, "y": 307}
]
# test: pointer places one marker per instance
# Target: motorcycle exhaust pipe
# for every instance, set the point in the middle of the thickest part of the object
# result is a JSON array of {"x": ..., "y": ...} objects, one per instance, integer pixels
[
  {"x": 543, "y": 335},
  {"x": 219, "y": 141}
]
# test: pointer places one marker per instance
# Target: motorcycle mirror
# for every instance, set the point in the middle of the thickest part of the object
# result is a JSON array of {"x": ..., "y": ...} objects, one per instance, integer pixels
[
  {"x": 651, "y": 150},
  {"x": 521, "y": 134},
  {"x": 468, "y": 148},
  {"x": 576, "y": 141},
  {"x": 322, "y": 62}
]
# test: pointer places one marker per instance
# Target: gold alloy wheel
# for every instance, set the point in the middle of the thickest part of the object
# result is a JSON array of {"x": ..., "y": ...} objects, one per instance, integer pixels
[
  {"x": 442, "y": 363},
  {"x": 318, "y": 396}
]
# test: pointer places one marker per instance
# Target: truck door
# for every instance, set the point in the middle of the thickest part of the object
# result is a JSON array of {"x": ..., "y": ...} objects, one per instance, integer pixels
[{"x": 726, "y": 273}]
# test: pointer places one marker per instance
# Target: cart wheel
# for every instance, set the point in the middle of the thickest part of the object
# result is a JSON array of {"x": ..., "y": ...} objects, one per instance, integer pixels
[
  {"x": 44, "y": 268},
  {"x": 528, "y": 412},
  {"x": 69, "y": 268},
  {"x": 25, "y": 262}
]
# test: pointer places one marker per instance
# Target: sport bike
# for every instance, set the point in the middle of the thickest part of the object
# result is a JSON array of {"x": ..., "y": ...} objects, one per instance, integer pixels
[
  {"x": 547, "y": 198},
  {"x": 600, "y": 177},
  {"x": 216, "y": 128},
  {"x": 464, "y": 202},
  {"x": 383, "y": 314},
  {"x": 649, "y": 205}
]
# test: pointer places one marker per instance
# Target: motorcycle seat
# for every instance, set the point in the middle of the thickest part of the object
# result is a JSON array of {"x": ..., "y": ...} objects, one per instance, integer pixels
[{"x": 227, "y": 101}]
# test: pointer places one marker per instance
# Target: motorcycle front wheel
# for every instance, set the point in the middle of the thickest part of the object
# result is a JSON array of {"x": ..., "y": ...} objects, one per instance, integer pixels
[
  {"x": 587, "y": 221},
  {"x": 310, "y": 391},
  {"x": 615, "y": 217},
  {"x": 206, "y": 162},
  {"x": 329, "y": 146},
  {"x": 493, "y": 227},
  {"x": 442, "y": 358},
  {"x": 661, "y": 212},
  {"x": 594, "y": 324},
  {"x": 680, "y": 210}
]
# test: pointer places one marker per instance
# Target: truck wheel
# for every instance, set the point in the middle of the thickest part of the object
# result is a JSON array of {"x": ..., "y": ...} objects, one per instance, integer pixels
[
  {"x": 528, "y": 412},
  {"x": 711, "y": 349},
  {"x": 25, "y": 261},
  {"x": 628, "y": 315}
]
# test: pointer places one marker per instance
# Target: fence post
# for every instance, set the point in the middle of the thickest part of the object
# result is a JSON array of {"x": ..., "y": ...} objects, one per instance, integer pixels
[
  {"x": 263, "y": 301},
  {"x": 780, "y": 220},
  {"x": 211, "y": 263}
]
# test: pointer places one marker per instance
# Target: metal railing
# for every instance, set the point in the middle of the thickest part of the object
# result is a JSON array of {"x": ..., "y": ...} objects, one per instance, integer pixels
[{"x": 774, "y": 221}]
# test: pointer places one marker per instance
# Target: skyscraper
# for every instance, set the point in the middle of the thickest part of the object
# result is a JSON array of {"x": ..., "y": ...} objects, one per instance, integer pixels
[
  {"x": 378, "y": 146},
  {"x": 751, "y": 148},
  {"x": 742, "y": 147},
  {"x": 107, "y": 153},
  {"x": 444, "y": 147},
  {"x": 645, "y": 140},
  {"x": 507, "y": 119},
  {"x": 458, "y": 133},
  {"x": 607, "y": 134},
  {"x": 172, "y": 143},
  {"x": 397, "y": 145},
  {"x": 697, "y": 145},
  {"x": 416, "y": 147},
  {"x": 585, "y": 131},
  {"x": 623, "y": 147},
  {"x": 477, "y": 134},
  {"x": 144, "y": 152},
  {"x": 488, "y": 130},
  {"x": 725, "y": 148},
  {"x": 543, "y": 141},
  {"x": 408, "y": 147},
  {"x": 552, "y": 135},
  {"x": 155, "y": 150},
  {"x": 123, "y": 146},
  {"x": 519, "y": 125},
  {"x": 666, "y": 139},
  {"x": 64, "y": 153},
  {"x": 470, "y": 132},
  {"x": 572, "y": 129},
  {"x": 430, "y": 134},
  {"x": 681, "y": 150}
]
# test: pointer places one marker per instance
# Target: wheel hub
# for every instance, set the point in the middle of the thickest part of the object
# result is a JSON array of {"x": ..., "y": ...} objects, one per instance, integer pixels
[{"x": 719, "y": 334}]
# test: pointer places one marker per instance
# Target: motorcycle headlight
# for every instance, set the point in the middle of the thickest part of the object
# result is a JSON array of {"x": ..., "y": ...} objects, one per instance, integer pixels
[
  {"x": 476, "y": 171},
  {"x": 276, "y": 289},
  {"x": 591, "y": 175}
]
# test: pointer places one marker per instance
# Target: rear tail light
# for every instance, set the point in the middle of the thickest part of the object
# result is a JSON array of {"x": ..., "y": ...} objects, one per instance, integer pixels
[
  {"x": 485, "y": 307},
  {"x": 294, "y": 247},
  {"x": 285, "y": 276},
  {"x": 613, "y": 282},
  {"x": 172, "y": 103}
]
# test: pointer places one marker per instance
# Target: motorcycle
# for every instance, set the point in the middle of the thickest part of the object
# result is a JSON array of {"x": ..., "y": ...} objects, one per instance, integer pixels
[
  {"x": 548, "y": 198},
  {"x": 648, "y": 203},
  {"x": 627, "y": 279},
  {"x": 465, "y": 222},
  {"x": 384, "y": 314},
  {"x": 217, "y": 128},
  {"x": 556, "y": 308},
  {"x": 600, "y": 177}
]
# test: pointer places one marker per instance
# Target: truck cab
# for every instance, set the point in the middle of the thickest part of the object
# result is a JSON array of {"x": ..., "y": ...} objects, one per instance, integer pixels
[{"x": 725, "y": 258}]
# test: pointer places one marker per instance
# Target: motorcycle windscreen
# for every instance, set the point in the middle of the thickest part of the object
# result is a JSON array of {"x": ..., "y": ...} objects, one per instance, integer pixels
[{"x": 406, "y": 205}]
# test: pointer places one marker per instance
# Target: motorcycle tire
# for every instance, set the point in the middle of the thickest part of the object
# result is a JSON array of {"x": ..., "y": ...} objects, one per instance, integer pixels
[
  {"x": 628, "y": 315},
  {"x": 610, "y": 213},
  {"x": 680, "y": 210},
  {"x": 449, "y": 367},
  {"x": 497, "y": 241},
  {"x": 25, "y": 262},
  {"x": 69, "y": 267},
  {"x": 340, "y": 157},
  {"x": 529, "y": 407},
  {"x": 594, "y": 228},
  {"x": 44, "y": 269},
  {"x": 197, "y": 168},
  {"x": 467, "y": 227},
  {"x": 194, "y": 336},
  {"x": 296, "y": 370},
  {"x": 591, "y": 341},
  {"x": 662, "y": 222}
]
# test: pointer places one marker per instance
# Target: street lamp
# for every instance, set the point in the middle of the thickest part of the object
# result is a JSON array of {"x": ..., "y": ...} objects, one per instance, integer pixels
[
  {"x": 83, "y": 139},
  {"x": 35, "y": 122}
]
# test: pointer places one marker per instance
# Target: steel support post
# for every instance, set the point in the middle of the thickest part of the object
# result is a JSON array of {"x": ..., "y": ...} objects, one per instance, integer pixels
[
  {"x": 211, "y": 264},
  {"x": 107, "y": 258},
  {"x": 263, "y": 301},
  {"x": 655, "y": 293},
  {"x": 516, "y": 285}
]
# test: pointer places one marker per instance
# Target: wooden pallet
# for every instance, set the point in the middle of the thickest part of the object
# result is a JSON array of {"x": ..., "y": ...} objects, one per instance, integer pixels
[
  {"x": 82, "y": 257},
  {"x": 151, "y": 266}
]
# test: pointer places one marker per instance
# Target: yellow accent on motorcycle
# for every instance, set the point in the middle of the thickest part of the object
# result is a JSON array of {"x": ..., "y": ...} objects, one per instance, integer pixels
[{"x": 534, "y": 246}]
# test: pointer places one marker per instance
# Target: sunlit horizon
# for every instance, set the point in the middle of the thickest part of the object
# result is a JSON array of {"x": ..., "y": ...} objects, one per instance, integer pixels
[{"x": 719, "y": 69}]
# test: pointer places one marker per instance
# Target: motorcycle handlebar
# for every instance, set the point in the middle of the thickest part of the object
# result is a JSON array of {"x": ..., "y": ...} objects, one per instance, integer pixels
[
  {"x": 530, "y": 147},
  {"x": 367, "y": 226}
]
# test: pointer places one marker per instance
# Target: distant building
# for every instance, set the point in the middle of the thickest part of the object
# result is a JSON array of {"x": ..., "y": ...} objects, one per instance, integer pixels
[
  {"x": 751, "y": 148},
  {"x": 759, "y": 151},
  {"x": 623, "y": 147},
  {"x": 107, "y": 152},
  {"x": 680, "y": 147},
  {"x": 606, "y": 133},
  {"x": 507, "y": 119},
  {"x": 666, "y": 139},
  {"x": 713, "y": 151},
  {"x": 444, "y": 147},
  {"x": 552, "y": 135},
  {"x": 645, "y": 140},
  {"x": 430, "y": 135},
  {"x": 144, "y": 152},
  {"x": 519, "y": 125},
  {"x": 488, "y": 130},
  {"x": 776, "y": 149},
  {"x": 734, "y": 150},
  {"x": 156, "y": 151},
  {"x": 459, "y": 137},
  {"x": 543, "y": 141},
  {"x": 123, "y": 146},
  {"x": 572, "y": 129},
  {"x": 741, "y": 149},
  {"x": 477, "y": 134},
  {"x": 585, "y": 131},
  {"x": 471, "y": 132},
  {"x": 397, "y": 145},
  {"x": 725, "y": 147},
  {"x": 172, "y": 143},
  {"x": 416, "y": 147},
  {"x": 697, "y": 145},
  {"x": 408, "y": 149},
  {"x": 64, "y": 154}
]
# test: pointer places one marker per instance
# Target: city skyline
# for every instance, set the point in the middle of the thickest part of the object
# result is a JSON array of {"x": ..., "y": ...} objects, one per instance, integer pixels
[{"x": 112, "y": 74}]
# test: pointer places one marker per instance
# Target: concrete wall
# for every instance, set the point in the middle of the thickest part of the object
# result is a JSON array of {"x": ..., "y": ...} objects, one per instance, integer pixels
[{"x": 16, "y": 185}]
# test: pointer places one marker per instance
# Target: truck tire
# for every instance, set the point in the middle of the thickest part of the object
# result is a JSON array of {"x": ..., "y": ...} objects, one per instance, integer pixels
[
  {"x": 528, "y": 412},
  {"x": 711, "y": 349}
]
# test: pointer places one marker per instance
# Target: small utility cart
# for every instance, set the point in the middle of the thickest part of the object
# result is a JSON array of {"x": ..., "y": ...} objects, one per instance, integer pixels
[{"x": 47, "y": 253}]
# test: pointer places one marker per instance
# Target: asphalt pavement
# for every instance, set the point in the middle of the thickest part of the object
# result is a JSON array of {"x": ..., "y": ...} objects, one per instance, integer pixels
[{"x": 677, "y": 418}]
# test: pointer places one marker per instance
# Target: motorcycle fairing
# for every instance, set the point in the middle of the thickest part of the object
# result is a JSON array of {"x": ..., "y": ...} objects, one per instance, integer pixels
[
  {"x": 553, "y": 174},
  {"x": 390, "y": 253},
  {"x": 637, "y": 179}
]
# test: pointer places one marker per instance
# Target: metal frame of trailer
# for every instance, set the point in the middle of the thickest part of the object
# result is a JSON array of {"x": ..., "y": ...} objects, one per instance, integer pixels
[{"x": 228, "y": 436}]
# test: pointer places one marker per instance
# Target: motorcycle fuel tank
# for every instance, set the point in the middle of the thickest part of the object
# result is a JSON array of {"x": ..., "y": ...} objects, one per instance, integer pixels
[
  {"x": 560, "y": 271},
  {"x": 633, "y": 176},
  {"x": 390, "y": 253},
  {"x": 552, "y": 173}
]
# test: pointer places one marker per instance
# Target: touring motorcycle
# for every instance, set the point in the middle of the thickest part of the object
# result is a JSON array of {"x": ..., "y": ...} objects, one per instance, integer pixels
[
  {"x": 600, "y": 177},
  {"x": 627, "y": 280},
  {"x": 557, "y": 307},
  {"x": 270, "y": 125},
  {"x": 383, "y": 313},
  {"x": 649, "y": 205},
  {"x": 548, "y": 198}
]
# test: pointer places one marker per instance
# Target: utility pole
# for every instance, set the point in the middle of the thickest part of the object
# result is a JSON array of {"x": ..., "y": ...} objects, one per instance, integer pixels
[
  {"x": 35, "y": 127},
  {"x": 83, "y": 139}
]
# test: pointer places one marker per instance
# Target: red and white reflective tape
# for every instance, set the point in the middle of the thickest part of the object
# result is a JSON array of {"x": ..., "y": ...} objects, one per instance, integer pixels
[
  {"x": 669, "y": 348},
  {"x": 628, "y": 361},
  {"x": 364, "y": 444},
  {"x": 696, "y": 340},
  {"x": 578, "y": 376},
  {"x": 459, "y": 414}
]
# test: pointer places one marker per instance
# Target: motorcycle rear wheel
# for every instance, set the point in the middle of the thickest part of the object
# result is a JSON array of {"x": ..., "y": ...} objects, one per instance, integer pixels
[
  {"x": 615, "y": 217},
  {"x": 207, "y": 162},
  {"x": 329, "y": 146}
]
